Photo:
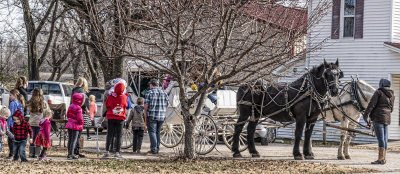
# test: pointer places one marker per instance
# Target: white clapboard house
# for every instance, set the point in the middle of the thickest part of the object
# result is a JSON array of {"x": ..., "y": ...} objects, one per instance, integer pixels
[{"x": 365, "y": 36}]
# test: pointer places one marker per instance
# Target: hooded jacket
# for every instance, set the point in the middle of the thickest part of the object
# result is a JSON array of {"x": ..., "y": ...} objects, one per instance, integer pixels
[
  {"x": 380, "y": 106},
  {"x": 116, "y": 105},
  {"x": 22, "y": 130},
  {"x": 74, "y": 113},
  {"x": 14, "y": 106},
  {"x": 45, "y": 127}
]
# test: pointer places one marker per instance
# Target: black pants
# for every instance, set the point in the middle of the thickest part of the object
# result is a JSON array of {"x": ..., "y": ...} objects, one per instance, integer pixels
[
  {"x": 87, "y": 129},
  {"x": 10, "y": 146},
  {"x": 114, "y": 130},
  {"x": 138, "y": 133},
  {"x": 72, "y": 141},
  {"x": 43, "y": 153}
]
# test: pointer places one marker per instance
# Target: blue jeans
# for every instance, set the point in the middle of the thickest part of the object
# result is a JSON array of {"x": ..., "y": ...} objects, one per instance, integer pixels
[
  {"x": 1, "y": 147},
  {"x": 19, "y": 149},
  {"x": 35, "y": 131},
  {"x": 154, "y": 128},
  {"x": 381, "y": 132}
]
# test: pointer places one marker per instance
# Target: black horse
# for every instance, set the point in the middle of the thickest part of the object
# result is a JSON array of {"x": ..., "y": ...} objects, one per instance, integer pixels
[{"x": 299, "y": 101}]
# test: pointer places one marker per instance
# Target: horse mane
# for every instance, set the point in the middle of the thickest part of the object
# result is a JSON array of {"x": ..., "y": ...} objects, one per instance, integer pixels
[
  {"x": 300, "y": 80},
  {"x": 366, "y": 86}
]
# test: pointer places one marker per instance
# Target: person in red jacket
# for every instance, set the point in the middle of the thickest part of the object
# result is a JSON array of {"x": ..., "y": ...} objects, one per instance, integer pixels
[
  {"x": 21, "y": 129},
  {"x": 74, "y": 124},
  {"x": 116, "y": 115}
]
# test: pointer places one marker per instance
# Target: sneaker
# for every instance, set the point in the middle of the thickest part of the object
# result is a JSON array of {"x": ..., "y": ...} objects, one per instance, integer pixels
[
  {"x": 151, "y": 152},
  {"x": 118, "y": 156},
  {"x": 106, "y": 155},
  {"x": 138, "y": 151},
  {"x": 24, "y": 161},
  {"x": 81, "y": 156},
  {"x": 9, "y": 157},
  {"x": 72, "y": 157},
  {"x": 89, "y": 138},
  {"x": 43, "y": 158}
]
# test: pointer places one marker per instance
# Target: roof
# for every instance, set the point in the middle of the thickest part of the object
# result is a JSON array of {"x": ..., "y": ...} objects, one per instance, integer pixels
[
  {"x": 294, "y": 19},
  {"x": 393, "y": 46}
]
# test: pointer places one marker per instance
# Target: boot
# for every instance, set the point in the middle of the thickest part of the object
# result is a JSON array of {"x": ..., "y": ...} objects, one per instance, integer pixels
[
  {"x": 79, "y": 154},
  {"x": 380, "y": 157},
  {"x": 384, "y": 156},
  {"x": 32, "y": 152},
  {"x": 37, "y": 150}
]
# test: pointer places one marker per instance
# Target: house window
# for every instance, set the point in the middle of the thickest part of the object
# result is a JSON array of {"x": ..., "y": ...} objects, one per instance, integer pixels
[{"x": 348, "y": 18}]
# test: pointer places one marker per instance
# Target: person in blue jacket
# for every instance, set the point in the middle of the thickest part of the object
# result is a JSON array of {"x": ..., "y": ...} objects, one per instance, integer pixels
[{"x": 17, "y": 102}]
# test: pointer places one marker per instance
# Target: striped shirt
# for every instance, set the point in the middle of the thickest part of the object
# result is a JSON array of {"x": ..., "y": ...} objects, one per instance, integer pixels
[{"x": 157, "y": 101}]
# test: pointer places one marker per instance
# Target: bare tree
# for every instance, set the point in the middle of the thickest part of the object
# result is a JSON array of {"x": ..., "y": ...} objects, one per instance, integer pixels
[
  {"x": 231, "y": 41},
  {"x": 10, "y": 64},
  {"x": 34, "y": 27}
]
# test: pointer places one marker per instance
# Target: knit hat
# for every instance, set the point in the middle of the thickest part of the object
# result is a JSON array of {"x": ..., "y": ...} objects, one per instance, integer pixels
[{"x": 384, "y": 83}]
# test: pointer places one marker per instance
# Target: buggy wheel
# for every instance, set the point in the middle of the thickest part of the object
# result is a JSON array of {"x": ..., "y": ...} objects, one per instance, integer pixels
[
  {"x": 171, "y": 134},
  {"x": 227, "y": 135},
  {"x": 127, "y": 138},
  {"x": 206, "y": 135}
]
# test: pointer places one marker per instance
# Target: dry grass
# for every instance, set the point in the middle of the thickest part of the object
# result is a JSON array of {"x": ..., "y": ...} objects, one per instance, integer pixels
[{"x": 59, "y": 164}]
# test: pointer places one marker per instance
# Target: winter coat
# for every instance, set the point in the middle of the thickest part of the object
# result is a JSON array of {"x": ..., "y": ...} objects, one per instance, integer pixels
[
  {"x": 22, "y": 130},
  {"x": 23, "y": 92},
  {"x": 45, "y": 127},
  {"x": 380, "y": 106},
  {"x": 136, "y": 116},
  {"x": 86, "y": 99},
  {"x": 3, "y": 128},
  {"x": 92, "y": 110},
  {"x": 14, "y": 106},
  {"x": 36, "y": 116},
  {"x": 74, "y": 113},
  {"x": 116, "y": 105}
]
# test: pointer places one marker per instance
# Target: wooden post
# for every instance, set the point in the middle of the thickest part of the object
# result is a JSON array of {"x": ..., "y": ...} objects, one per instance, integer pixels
[{"x": 324, "y": 133}]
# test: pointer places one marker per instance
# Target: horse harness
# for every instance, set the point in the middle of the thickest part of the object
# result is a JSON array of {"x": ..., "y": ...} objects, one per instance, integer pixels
[
  {"x": 310, "y": 90},
  {"x": 355, "y": 100}
]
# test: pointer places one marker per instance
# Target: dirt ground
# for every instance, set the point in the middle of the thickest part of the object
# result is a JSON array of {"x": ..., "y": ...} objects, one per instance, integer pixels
[{"x": 275, "y": 158}]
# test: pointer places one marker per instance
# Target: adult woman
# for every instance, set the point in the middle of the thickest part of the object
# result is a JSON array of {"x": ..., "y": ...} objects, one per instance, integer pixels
[
  {"x": 378, "y": 110},
  {"x": 81, "y": 86},
  {"x": 21, "y": 85}
]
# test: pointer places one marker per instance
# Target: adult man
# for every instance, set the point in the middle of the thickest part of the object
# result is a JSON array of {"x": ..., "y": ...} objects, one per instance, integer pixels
[{"x": 155, "y": 107}]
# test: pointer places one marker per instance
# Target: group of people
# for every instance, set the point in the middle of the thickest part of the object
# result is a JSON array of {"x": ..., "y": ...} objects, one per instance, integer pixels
[{"x": 18, "y": 130}]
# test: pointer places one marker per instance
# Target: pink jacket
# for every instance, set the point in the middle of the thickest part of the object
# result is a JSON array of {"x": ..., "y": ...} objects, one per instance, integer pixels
[
  {"x": 92, "y": 110},
  {"x": 74, "y": 113},
  {"x": 45, "y": 127}
]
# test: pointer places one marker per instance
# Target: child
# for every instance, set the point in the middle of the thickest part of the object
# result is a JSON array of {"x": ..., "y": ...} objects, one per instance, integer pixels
[
  {"x": 43, "y": 138},
  {"x": 74, "y": 124},
  {"x": 92, "y": 112},
  {"x": 116, "y": 104},
  {"x": 137, "y": 118},
  {"x": 36, "y": 106},
  {"x": 17, "y": 102},
  {"x": 20, "y": 129},
  {"x": 4, "y": 114}
]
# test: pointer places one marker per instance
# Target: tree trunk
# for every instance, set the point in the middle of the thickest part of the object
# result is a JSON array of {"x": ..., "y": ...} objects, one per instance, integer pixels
[
  {"x": 90, "y": 64},
  {"x": 189, "y": 141}
]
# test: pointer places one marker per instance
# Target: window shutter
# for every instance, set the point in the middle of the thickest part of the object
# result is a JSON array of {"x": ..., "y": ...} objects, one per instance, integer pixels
[
  {"x": 335, "y": 31},
  {"x": 359, "y": 19}
]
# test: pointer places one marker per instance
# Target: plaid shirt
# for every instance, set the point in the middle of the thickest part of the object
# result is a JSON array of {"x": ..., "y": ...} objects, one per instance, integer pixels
[
  {"x": 157, "y": 101},
  {"x": 22, "y": 130}
]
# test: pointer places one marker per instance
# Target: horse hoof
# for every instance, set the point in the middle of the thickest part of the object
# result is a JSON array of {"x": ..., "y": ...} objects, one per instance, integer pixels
[
  {"x": 298, "y": 158},
  {"x": 340, "y": 158},
  {"x": 255, "y": 155},
  {"x": 347, "y": 157},
  {"x": 310, "y": 157},
  {"x": 237, "y": 155}
]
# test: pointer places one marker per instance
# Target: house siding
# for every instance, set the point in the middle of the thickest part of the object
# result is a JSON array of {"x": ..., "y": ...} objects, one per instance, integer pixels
[{"x": 366, "y": 58}]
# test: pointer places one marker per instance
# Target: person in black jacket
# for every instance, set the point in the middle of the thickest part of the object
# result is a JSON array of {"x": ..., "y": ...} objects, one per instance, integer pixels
[
  {"x": 378, "y": 110},
  {"x": 81, "y": 86},
  {"x": 21, "y": 85}
]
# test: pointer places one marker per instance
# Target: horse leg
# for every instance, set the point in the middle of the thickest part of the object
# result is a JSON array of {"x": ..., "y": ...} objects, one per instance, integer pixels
[
  {"x": 238, "y": 130},
  {"x": 307, "y": 148},
  {"x": 344, "y": 124},
  {"x": 297, "y": 137},
  {"x": 347, "y": 142},
  {"x": 251, "y": 128}
]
